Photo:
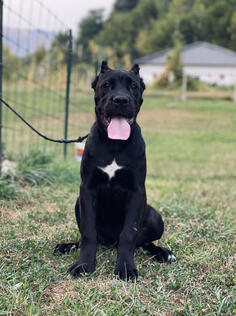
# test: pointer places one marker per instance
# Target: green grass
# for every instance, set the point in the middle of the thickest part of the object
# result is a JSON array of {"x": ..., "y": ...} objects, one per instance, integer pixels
[{"x": 191, "y": 179}]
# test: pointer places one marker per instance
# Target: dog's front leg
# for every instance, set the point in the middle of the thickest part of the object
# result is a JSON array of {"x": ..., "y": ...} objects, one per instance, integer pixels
[
  {"x": 125, "y": 266},
  {"x": 87, "y": 259}
]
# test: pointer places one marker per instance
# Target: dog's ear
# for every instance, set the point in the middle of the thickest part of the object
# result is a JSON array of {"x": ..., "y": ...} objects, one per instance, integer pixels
[
  {"x": 135, "y": 69},
  {"x": 104, "y": 67},
  {"x": 94, "y": 83}
]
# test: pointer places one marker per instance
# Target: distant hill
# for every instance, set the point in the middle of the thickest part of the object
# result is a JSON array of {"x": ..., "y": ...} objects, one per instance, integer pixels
[{"x": 23, "y": 42}]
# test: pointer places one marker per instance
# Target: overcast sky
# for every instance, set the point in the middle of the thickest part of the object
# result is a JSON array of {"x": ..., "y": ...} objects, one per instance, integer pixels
[{"x": 68, "y": 11}]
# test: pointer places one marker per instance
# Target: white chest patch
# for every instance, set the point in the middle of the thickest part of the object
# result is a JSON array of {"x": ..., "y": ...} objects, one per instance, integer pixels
[{"x": 111, "y": 169}]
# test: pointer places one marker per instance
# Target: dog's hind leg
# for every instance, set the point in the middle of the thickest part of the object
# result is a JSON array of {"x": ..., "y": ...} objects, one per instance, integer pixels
[
  {"x": 65, "y": 248},
  {"x": 152, "y": 230},
  {"x": 160, "y": 254}
]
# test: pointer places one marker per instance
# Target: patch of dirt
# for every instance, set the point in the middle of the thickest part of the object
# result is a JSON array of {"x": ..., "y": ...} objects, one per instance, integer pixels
[{"x": 58, "y": 292}]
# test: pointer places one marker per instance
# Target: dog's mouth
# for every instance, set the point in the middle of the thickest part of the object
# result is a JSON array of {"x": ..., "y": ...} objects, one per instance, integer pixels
[{"x": 118, "y": 127}]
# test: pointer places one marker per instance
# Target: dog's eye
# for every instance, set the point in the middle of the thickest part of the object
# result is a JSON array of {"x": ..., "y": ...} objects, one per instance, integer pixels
[
  {"x": 134, "y": 86},
  {"x": 106, "y": 85}
]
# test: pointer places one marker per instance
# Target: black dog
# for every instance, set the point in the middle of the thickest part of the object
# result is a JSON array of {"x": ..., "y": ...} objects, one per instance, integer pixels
[{"x": 112, "y": 205}]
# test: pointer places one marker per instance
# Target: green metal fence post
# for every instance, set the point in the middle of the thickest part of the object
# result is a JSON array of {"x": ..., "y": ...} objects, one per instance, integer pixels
[
  {"x": 69, "y": 61},
  {"x": 1, "y": 67}
]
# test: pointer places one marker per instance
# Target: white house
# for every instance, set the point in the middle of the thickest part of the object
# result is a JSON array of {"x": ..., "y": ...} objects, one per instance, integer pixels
[{"x": 209, "y": 63}]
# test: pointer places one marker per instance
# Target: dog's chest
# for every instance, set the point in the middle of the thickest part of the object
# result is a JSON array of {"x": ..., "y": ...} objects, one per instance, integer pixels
[
  {"x": 113, "y": 174},
  {"x": 111, "y": 169}
]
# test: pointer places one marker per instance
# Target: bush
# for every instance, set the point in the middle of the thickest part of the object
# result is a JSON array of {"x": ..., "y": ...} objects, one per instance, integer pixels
[
  {"x": 7, "y": 189},
  {"x": 38, "y": 168},
  {"x": 193, "y": 84},
  {"x": 34, "y": 168}
]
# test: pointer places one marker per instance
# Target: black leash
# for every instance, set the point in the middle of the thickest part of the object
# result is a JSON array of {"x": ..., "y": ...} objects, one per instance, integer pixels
[{"x": 67, "y": 141}]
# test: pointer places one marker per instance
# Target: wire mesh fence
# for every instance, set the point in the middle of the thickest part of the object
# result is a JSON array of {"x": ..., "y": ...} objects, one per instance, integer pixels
[{"x": 36, "y": 52}]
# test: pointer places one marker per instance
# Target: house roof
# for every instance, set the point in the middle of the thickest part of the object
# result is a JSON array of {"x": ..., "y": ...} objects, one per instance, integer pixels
[{"x": 196, "y": 54}]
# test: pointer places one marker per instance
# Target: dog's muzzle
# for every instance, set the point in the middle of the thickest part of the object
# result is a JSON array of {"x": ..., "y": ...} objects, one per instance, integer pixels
[{"x": 119, "y": 117}]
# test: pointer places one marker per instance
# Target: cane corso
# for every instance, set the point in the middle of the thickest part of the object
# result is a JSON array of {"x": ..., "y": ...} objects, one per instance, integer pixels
[{"x": 112, "y": 207}]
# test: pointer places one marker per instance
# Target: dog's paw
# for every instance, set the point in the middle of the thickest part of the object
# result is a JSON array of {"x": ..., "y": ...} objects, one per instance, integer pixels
[
  {"x": 171, "y": 257},
  {"x": 164, "y": 255},
  {"x": 126, "y": 271},
  {"x": 65, "y": 247},
  {"x": 78, "y": 269}
]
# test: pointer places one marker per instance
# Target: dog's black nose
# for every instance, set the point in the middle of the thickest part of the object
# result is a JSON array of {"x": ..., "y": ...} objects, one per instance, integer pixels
[{"x": 121, "y": 100}]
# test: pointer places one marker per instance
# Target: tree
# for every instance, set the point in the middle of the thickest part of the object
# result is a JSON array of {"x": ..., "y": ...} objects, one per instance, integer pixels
[
  {"x": 39, "y": 55},
  {"x": 140, "y": 27},
  {"x": 125, "y": 5},
  {"x": 232, "y": 29},
  {"x": 89, "y": 27},
  {"x": 215, "y": 26},
  {"x": 121, "y": 30},
  {"x": 59, "y": 50},
  {"x": 11, "y": 64},
  {"x": 157, "y": 37},
  {"x": 196, "y": 20},
  {"x": 174, "y": 63}
]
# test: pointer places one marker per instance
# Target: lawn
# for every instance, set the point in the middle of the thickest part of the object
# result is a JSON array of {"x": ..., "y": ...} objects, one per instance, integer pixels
[{"x": 191, "y": 179}]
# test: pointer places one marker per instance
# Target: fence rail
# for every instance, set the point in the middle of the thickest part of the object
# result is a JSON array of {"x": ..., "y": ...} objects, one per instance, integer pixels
[{"x": 35, "y": 69}]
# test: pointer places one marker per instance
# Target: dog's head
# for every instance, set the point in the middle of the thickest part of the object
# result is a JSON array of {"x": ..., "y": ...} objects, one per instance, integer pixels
[{"x": 118, "y": 97}]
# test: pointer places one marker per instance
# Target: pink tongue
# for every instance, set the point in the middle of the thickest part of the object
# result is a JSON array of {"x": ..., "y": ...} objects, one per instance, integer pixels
[{"x": 118, "y": 128}]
